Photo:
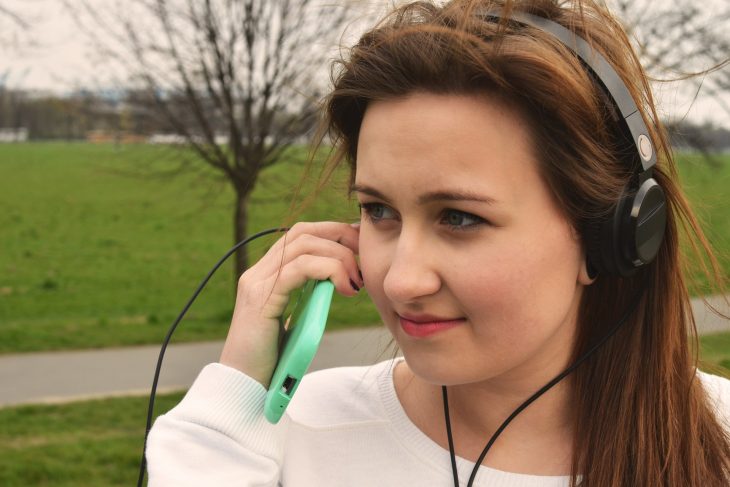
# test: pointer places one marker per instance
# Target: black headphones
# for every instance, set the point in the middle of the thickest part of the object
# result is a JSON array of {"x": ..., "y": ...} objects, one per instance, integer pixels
[{"x": 631, "y": 236}]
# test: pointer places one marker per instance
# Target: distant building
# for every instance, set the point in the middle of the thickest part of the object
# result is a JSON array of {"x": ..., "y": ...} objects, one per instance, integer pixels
[
  {"x": 166, "y": 139},
  {"x": 106, "y": 137},
  {"x": 169, "y": 138},
  {"x": 19, "y": 134},
  {"x": 99, "y": 137}
]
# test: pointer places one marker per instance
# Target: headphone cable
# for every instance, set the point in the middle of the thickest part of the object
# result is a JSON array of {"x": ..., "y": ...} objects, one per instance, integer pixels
[
  {"x": 545, "y": 388},
  {"x": 150, "y": 407}
]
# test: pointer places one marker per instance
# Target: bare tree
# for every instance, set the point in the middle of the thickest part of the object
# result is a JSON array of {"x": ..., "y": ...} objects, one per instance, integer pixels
[
  {"x": 12, "y": 27},
  {"x": 687, "y": 41},
  {"x": 12, "y": 24},
  {"x": 239, "y": 79}
]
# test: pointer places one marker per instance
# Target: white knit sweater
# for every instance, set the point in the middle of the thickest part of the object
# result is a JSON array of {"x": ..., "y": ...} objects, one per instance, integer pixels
[{"x": 344, "y": 428}]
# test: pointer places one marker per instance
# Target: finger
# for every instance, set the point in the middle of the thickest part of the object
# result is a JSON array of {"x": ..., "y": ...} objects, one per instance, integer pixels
[
  {"x": 297, "y": 272},
  {"x": 339, "y": 232},
  {"x": 311, "y": 245}
]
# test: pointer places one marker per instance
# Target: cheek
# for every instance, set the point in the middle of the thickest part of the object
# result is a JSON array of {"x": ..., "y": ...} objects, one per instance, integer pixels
[
  {"x": 490, "y": 288},
  {"x": 515, "y": 289}
]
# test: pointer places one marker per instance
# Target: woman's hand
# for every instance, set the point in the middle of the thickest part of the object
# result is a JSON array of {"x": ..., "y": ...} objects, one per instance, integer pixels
[{"x": 309, "y": 250}]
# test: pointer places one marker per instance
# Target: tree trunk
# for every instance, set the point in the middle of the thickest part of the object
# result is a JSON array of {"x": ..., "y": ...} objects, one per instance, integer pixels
[{"x": 240, "y": 221}]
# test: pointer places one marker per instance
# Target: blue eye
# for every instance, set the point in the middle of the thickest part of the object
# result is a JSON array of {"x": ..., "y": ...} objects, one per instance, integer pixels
[
  {"x": 454, "y": 219},
  {"x": 373, "y": 211},
  {"x": 461, "y": 221}
]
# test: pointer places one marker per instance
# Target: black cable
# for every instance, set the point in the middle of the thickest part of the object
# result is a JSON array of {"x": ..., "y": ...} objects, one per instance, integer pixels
[
  {"x": 532, "y": 398},
  {"x": 150, "y": 407},
  {"x": 451, "y": 440}
]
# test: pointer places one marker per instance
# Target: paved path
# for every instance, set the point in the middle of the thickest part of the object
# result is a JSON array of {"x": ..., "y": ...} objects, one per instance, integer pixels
[{"x": 52, "y": 377}]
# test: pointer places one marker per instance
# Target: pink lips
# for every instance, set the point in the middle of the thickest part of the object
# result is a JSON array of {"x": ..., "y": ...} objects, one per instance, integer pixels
[{"x": 426, "y": 328}]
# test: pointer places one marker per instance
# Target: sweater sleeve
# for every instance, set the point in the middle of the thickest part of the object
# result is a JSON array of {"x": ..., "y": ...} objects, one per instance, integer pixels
[{"x": 217, "y": 435}]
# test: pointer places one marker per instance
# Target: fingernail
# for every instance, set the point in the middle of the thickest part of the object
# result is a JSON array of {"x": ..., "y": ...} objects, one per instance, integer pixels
[
  {"x": 356, "y": 226},
  {"x": 354, "y": 286}
]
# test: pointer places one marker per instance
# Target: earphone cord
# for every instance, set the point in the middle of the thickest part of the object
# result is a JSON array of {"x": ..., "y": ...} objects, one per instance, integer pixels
[
  {"x": 544, "y": 389},
  {"x": 150, "y": 407}
]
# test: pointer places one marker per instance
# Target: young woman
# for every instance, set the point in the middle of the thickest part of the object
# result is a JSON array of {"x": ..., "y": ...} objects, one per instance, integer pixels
[{"x": 486, "y": 158}]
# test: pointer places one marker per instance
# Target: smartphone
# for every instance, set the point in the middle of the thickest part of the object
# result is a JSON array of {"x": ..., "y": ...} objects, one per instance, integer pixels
[{"x": 301, "y": 339}]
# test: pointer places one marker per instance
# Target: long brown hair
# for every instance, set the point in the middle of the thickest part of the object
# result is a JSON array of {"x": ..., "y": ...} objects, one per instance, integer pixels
[{"x": 641, "y": 415}]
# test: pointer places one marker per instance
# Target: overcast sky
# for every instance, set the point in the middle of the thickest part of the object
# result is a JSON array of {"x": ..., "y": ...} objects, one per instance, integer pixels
[{"x": 53, "y": 55}]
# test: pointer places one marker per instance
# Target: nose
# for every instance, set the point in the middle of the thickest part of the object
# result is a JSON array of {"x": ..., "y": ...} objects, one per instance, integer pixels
[{"x": 413, "y": 270}]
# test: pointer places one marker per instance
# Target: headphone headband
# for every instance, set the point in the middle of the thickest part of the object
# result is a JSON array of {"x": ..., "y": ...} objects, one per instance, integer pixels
[{"x": 632, "y": 126}]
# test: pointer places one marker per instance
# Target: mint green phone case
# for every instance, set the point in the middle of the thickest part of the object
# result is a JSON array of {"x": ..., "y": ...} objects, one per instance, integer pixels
[{"x": 300, "y": 344}]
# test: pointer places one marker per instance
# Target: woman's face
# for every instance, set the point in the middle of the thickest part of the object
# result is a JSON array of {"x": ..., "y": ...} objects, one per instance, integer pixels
[{"x": 458, "y": 224}]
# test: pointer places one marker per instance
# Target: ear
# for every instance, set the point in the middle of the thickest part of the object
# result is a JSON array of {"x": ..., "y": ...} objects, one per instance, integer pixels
[{"x": 587, "y": 274}]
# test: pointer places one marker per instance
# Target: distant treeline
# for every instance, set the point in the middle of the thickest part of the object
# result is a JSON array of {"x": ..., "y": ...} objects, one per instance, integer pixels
[
  {"x": 689, "y": 136},
  {"x": 73, "y": 117},
  {"x": 85, "y": 115}
]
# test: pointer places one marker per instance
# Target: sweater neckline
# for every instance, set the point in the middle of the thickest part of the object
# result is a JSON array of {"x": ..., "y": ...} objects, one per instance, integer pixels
[{"x": 437, "y": 457}]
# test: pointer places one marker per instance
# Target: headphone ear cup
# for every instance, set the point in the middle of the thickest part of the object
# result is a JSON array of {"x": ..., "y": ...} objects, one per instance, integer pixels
[
  {"x": 602, "y": 241},
  {"x": 632, "y": 236},
  {"x": 643, "y": 225},
  {"x": 592, "y": 242},
  {"x": 616, "y": 234}
]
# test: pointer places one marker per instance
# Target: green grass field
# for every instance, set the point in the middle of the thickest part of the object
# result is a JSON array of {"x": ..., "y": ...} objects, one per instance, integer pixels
[
  {"x": 95, "y": 257},
  {"x": 715, "y": 353},
  {"x": 91, "y": 443}
]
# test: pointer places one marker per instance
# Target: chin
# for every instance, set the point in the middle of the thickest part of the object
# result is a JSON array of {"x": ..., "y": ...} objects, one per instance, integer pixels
[
  {"x": 441, "y": 369},
  {"x": 435, "y": 369}
]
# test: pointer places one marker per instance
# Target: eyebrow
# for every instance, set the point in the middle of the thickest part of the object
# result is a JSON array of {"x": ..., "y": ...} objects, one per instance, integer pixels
[{"x": 444, "y": 195}]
